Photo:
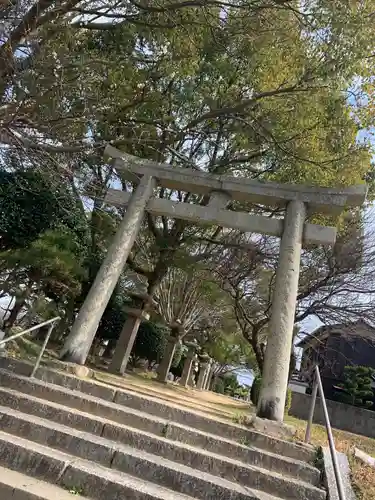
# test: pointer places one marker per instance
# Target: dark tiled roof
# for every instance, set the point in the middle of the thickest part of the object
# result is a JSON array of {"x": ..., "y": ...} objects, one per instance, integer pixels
[{"x": 356, "y": 329}]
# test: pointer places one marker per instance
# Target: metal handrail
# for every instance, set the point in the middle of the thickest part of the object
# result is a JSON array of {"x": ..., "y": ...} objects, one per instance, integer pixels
[
  {"x": 318, "y": 386},
  {"x": 50, "y": 322}
]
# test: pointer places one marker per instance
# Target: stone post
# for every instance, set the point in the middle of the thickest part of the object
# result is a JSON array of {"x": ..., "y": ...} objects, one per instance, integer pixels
[
  {"x": 206, "y": 385},
  {"x": 185, "y": 377},
  {"x": 126, "y": 340},
  {"x": 193, "y": 371},
  {"x": 3, "y": 346},
  {"x": 79, "y": 341},
  {"x": 166, "y": 362},
  {"x": 99, "y": 350},
  {"x": 124, "y": 345},
  {"x": 279, "y": 343},
  {"x": 210, "y": 377},
  {"x": 202, "y": 375}
]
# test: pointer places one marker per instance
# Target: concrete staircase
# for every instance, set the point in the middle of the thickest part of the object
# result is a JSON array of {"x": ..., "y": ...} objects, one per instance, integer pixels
[{"x": 60, "y": 433}]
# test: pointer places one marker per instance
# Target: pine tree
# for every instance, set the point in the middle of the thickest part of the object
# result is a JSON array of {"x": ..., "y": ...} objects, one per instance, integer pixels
[{"x": 357, "y": 386}]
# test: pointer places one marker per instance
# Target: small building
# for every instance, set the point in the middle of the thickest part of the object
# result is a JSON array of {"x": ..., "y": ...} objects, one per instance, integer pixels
[{"x": 332, "y": 348}]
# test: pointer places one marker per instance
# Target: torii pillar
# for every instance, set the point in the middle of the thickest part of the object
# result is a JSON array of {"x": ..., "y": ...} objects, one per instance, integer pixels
[
  {"x": 279, "y": 342},
  {"x": 79, "y": 341}
]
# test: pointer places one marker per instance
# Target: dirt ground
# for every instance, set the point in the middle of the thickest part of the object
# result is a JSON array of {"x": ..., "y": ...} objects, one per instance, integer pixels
[{"x": 215, "y": 405}]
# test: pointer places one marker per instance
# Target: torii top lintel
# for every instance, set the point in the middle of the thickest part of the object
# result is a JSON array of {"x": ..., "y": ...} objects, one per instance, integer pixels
[{"x": 319, "y": 199}]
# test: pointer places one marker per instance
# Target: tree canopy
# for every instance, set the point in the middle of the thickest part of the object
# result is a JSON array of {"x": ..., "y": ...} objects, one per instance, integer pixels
[
  {"x": 261, "y": 88},
  {"x": 269, "y": 90},
  {"x": 31, "y": 203}
]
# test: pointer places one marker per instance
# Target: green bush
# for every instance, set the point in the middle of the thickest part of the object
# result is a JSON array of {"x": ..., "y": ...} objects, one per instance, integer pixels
[
  {"x": 219, "y": 386},
  {"x": 177, "y": 355},
  {"x": 230, "y": 384},
  {"x": 357, "y": 386},
  {"x": 177, "y": 370},
  {"x": 288, "y": 400},
  {"x": 151, "y": 341},
  {"x": 255, "y": 392}
]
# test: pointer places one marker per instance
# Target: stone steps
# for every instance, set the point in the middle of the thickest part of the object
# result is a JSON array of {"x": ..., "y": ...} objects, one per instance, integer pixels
[
  {"x": 78, "y": 433},
  {"x": 131, "y": 399},
  {"x": 126, "y": 401},
  {"x": 101, "y": 483},
  {"x": 157, "y": 441},
  {"x": 17, "y": 486},
  {"x": 94, "y": 481},
  {"x": 170, "y": 472}
]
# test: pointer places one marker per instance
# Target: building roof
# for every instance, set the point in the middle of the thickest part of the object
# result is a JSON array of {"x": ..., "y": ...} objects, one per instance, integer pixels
[{"x": 355, "y": 329}]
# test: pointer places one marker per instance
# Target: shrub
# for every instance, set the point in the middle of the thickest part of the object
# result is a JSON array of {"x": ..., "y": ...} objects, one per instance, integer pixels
[
  {"x": 288, "y": 400},
  {"x": 177, "y": 370},
  {"x": 177, "y": 355},
  {"x": 255, "y": 390},
  {"x": 151, "y": 341},
  {"x": 357, "y": 386},
  {"x": 219, "y": 386},
  {"x": 230, "y": 384}
]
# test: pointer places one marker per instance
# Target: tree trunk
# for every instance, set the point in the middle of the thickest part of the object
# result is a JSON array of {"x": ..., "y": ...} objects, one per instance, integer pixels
[{"x": 257, "y": 347}]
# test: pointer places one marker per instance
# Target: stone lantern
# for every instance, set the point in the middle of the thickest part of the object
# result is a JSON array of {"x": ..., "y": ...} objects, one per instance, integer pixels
[
  {"x": 177, "y": 331},
  {"x": 191, "y": 357},
  {"x": 205, "y": 366},
  {"x": 141, "y": 304}
]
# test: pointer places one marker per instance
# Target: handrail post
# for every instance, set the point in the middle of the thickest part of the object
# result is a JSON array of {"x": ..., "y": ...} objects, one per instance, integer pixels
[
  {"x": 43, "y": 348},
  {"x": 50, "y": 322},
  {"x": 29, "y": 330},
  {"x": 312, "y": 409},
  {"x": 339, "y": 483}
]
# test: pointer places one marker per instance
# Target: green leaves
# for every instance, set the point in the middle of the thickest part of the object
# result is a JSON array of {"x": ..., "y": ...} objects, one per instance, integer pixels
[
  {"x": 43, "y": 236},
  {"x": 357, "y": 386},
  {"x": 32, "y": 203},
  {"x": 50, "y": 265},
  {"x": 151, "y": 341},
  {"x": 257, "y": 89},
  {"x": 230, "y": 349}
]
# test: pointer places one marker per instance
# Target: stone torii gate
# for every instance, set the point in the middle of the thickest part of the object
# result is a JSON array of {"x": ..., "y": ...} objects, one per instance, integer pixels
[{"x": 293, "y": 230}]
